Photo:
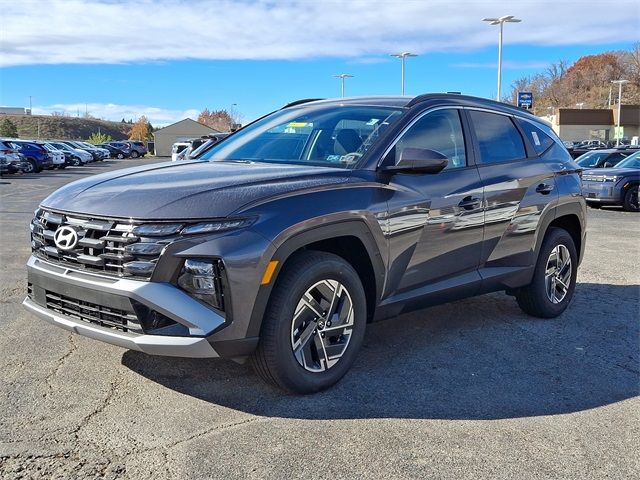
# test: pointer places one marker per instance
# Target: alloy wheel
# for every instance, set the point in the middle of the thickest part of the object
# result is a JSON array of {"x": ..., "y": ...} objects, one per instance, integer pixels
[
  {"x": 322, "y": 326},
  {"x": 557, "y": 277}
]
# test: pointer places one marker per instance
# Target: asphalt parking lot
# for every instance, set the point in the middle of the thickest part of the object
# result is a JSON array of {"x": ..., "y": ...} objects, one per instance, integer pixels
[{"x": 473, "y": 389}]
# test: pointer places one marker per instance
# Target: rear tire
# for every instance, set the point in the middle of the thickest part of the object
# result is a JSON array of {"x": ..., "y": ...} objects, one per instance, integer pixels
[
  {"x": 134, "y": 154},
  {"x": 554, "y": 278},
  {"x": 301, "y": 351},
  {"x": 631, "y": 199}
]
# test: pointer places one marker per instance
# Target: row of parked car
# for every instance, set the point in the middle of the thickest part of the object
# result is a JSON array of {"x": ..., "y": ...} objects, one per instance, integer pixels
[
  {"x": 33, "y": 156},
  {"x": 190, "y": 149}
]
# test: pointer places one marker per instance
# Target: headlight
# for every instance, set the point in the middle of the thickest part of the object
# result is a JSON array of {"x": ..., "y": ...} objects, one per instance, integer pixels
[
  {"x": 610, "y": 178},
  {"x": 157, "y": 230},
  {"x": 217, "y": 226},
  {"x": 202, "y": 278}
]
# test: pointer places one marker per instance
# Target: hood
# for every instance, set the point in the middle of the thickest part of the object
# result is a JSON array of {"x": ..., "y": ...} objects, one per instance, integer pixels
[
  {"x": 187, "y": 190},
  {"x": 611, "y": 171}
]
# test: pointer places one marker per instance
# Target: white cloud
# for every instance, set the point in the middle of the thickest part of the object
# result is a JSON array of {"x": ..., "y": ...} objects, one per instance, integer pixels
[
  {"x": 92, "y": 31},
  {"x": 111, "y": 111}
]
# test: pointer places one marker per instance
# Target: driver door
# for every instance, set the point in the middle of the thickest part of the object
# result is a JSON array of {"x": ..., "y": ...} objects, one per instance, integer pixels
[{"x": 435, "y": 220}]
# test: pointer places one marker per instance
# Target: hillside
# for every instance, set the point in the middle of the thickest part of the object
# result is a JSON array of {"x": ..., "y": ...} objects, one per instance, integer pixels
[{"x": 71, "y": 128}]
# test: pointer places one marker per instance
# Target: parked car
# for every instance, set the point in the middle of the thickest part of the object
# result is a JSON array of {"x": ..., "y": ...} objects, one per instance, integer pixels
[
  {"x": 614, "y": 186},
  {"x": 601, "y": 158},
  {"x": 74, "y": 156},
  {"x": 36, "y": 156},
  {"x": 124, "y": 146},
  {"x": 94, "y": 152},
  {"x": 309, "y": 223},
  {"x": 12, "y": 156},
  {"x": 177, "y": 148},
  {"x": 58, "y": 157},
  {"x": 114, "y": 152},
  {"x": 138, "y": 149},
  {"x": 212, "y": 140},
  {"x": 105, "y": 153},
  {"x": 9, "y": 163}
]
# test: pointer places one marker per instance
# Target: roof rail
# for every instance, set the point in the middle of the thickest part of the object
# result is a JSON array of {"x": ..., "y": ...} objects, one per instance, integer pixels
[{"x": 300, "y": 102}]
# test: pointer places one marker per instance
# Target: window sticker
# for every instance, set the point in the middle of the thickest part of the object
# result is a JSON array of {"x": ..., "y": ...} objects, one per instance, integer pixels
[{"x": 536, "y": 140}]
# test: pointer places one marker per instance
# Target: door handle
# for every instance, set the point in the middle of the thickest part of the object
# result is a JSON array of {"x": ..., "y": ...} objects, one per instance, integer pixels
[
  {"x": 544, "y": 188},
  {"x": 469, "y": 203}
]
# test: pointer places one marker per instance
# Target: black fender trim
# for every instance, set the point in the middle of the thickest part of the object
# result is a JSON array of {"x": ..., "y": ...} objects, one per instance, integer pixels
[{"x": 348, "y": 228}]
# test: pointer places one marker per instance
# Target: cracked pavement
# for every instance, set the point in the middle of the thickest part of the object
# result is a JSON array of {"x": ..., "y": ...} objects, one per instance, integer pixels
[{"x": 470, "y": 389}]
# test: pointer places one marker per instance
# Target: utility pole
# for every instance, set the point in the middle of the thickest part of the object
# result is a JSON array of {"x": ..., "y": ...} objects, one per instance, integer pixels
[
  {"x": 342, "y": 76},
  {"x": 500, "y": 21},
  {"x": 402, "y": 56},
  {"x": 618, "y": 133}
]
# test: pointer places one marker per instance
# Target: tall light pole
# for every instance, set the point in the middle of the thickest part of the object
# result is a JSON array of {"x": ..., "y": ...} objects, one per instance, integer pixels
[
  {"x": 501, "y": 21},
  {"x": 342, "y": 76},
  {"x": 402, "y": 56},
  {"x": 619, "y": 82}
]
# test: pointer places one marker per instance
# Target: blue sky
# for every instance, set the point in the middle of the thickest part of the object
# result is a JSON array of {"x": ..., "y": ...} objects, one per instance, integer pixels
[{"x": 178, "y": 62}]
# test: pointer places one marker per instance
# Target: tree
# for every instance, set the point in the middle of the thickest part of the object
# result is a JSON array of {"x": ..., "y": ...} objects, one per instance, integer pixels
[
  {"x": 8, "y": 129},
  {"x": 98, "y": 137},
  {"x": 587, "y": 81},
  {"x": 140, "y": 130},
  {"x": 217, "y": 119}
]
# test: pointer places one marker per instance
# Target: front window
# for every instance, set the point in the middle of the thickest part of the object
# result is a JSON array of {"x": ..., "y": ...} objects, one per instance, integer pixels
[
  {"x": 632, "y": 161},
  {"x": 333, "y": 136},
  {"x": 590, "y": 159}
]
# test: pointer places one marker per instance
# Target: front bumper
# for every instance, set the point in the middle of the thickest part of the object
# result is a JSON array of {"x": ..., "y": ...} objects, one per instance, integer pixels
[
  {"x": 600, "y": 192},
  {"x": 117, "y": 294}
]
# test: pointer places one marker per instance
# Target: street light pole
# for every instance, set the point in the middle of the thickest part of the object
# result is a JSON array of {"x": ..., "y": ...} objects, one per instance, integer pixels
[
  {"x": 342, "y": 76},
  {"x": 619, "y": 82},
  {"x": 501, "y": 21},
  {"x": 402, "y": 56}
]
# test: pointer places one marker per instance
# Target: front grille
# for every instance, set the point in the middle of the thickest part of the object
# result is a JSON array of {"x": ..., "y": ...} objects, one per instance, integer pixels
[
  {"x": 93, "y": 313},
  {"x": 101, "y": 244}
]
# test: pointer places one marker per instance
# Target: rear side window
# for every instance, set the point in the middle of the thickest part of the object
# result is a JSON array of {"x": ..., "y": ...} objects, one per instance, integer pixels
[
  {"x": 537, "y": 138},
  {"x": 498, "y": 138}
]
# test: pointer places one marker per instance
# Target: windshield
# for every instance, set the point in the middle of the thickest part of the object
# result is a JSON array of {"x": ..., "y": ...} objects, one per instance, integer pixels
[
  {"x": 632, "y": 161},
  {"x": 591, "y": 159},
  {"x": 335, "y": 136}
]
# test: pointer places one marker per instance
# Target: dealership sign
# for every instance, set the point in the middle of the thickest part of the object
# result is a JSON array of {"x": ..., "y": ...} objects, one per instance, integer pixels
[{"x": 525, "y": 100}]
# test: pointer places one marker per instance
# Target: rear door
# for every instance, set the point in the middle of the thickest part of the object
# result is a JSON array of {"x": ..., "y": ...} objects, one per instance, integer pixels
[{"x": 519, "y": 185}]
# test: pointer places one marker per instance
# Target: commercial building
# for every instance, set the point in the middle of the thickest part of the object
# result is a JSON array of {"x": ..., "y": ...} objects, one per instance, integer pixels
[
  {"x": 575, "y": 124},
  {"x": 180, "y": 131},
  {"x": 14, "y": 111}
]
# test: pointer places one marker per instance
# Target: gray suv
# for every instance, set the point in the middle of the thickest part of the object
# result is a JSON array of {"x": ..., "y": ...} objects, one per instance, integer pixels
[{"x": 281, "y": 243}]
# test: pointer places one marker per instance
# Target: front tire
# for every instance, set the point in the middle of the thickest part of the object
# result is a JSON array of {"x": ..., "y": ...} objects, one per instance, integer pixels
[
  {"x": 631, "y": 203},
  {"x": 554, "y": 278},
  {"x": 314, "y": 324},
  {"x": 120, "y": 156}
]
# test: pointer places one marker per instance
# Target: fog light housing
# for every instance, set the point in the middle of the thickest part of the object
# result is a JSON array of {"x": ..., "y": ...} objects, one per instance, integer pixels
[{"x": 202, "y": 279}]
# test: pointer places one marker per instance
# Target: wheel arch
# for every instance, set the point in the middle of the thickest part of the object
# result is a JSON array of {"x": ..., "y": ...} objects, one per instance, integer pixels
[{"x": 351, "y": 240}]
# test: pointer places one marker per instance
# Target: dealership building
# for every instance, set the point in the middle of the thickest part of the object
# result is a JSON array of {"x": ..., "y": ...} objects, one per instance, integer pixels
[{"x": 575, "y": 124}]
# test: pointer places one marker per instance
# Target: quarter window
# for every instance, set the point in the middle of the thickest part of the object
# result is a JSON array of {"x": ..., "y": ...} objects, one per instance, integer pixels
[
  {"x": 498, "y": 138},
  {"x": 540, "y": 140},
  {"x": 440, "y": 131}
]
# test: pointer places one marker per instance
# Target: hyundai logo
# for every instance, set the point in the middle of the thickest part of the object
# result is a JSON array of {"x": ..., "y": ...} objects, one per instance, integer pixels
[{"x": 66, "y": 238}]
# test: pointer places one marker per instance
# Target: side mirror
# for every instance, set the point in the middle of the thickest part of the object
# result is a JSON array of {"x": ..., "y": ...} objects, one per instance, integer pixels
[{"x": 419, "y": 160}]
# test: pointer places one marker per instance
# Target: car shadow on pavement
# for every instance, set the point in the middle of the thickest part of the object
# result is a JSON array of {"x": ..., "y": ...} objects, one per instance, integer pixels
[{"x": 479, "y": 358}]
